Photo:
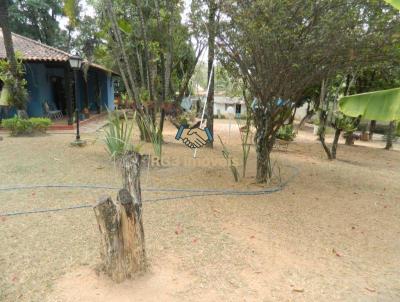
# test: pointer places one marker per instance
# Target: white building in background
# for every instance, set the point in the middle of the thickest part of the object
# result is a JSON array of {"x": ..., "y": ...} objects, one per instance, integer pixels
[
  {"x": 224, "y": 106},
  {"x": 222, "y": 103}
]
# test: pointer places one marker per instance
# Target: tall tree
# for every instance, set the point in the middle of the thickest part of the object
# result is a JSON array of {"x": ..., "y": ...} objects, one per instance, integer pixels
[
  {"x": 374, "y": 52},
  {"x": 39, "y": 20},
  {"x": 13, "y": 71},
  {"x": 280, "y": 49},
  {"x": 8, "y": 43}
]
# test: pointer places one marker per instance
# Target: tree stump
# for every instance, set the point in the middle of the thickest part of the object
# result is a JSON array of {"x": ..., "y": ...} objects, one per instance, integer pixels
[{"x": 120, "y": 224}]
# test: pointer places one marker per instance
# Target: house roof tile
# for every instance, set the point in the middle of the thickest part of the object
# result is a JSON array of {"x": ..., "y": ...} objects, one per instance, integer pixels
[{"x": 32, "y": 50}]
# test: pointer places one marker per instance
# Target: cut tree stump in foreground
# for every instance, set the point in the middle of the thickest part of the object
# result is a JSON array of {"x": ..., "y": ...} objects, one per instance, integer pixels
[{"x": 123, "y": 251}]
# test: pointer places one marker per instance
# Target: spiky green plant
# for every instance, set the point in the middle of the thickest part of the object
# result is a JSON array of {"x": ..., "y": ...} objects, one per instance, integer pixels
[
  {"x": 118, "y": 135},
  {"x": 153, "y": 131}
]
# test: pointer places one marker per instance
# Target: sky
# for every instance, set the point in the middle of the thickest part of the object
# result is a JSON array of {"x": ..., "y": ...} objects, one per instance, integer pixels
[{"x": 88, "y": 10}]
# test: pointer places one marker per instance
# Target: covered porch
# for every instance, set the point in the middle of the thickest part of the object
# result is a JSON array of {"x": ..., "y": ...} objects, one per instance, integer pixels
[
  {"x": 53, "y": 85},
  {"x": 89, "y": 90}
]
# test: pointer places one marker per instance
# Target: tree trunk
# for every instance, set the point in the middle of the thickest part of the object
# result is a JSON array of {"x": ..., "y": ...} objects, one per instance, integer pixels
[
  {"x": 166, "y": 62},
  {"x": 323, "y": 117},
  {"x": 148, "y": 63},
  {"x": 323, "y": 143},
  {"x": 309, "y": 114},
  {"x": 141, "y": 70},
  {"x": 211, "y": 54},
  {"x": 123, "y": 75},
  {"x": 162, "y": 118},
  {"x": 321, "y": 132},
  {"x": 121, "y": 48},
  {"x": 263, "y": 149},
  {"x": 7, "y": 37},
  {"x": 372, "y": 127},
  {"x": 167, "y": 77},
  {"x": 185, "y": 82},
  {"x": 349, "y": 141},
  {"x": 304, "y": 120},
  {"x": 335, "y": 143},
  {"x": 153, "y": 75},
  {"x": 389, "y": 136},
  {"x": 167, "y": 74},
  {"x": 131, "y": 174},
  {"x": 123, "y": 251}
]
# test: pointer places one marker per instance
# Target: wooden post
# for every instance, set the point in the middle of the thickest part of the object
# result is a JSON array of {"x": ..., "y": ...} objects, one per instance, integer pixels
[
  {"x": 107, "y": 219},
  {"x": 130, "y": 167},
  {"x": 86, "y": 91},
  {"x": 123, "y": 250}
]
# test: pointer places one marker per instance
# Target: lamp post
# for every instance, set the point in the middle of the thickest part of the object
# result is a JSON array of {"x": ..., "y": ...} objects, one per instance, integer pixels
[{"x": 76, "y": 63}]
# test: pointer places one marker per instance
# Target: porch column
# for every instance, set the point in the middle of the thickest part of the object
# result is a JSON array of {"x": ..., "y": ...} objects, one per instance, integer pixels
[
  {"x": 85, "y": 91},
  {"x": 68, "y": 94}
]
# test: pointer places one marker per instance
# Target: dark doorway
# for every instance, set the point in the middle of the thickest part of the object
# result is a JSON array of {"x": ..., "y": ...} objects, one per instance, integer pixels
[
  {"x": 59, "y": 93},
  {"x": 238, "y": 109}
]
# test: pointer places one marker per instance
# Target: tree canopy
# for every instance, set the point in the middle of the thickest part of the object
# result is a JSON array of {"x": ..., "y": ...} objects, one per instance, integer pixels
[{"x": 39, "y": 20}]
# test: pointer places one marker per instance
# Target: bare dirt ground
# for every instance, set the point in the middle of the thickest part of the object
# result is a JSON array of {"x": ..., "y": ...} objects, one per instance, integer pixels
[{"x": 331, "y": 235}]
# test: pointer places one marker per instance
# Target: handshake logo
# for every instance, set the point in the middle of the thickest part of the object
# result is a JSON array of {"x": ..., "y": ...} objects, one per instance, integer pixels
[{"x": 194, "y": 137}]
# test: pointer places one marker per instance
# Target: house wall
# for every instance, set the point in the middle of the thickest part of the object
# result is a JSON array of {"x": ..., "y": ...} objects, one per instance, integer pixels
[
  {"x": 110, "y": 92},
  {"x": 99, "y": 80},
  {"x": 40, "y": 89},
  {"x": 219, "y": 109}
]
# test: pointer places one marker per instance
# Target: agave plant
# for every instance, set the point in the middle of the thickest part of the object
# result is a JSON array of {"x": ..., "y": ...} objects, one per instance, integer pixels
[{"x": 118, "y": 135}]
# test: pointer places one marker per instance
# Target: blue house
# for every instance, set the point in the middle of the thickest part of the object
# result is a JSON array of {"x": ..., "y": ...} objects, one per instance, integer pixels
[{"x": 51, "y": 80}]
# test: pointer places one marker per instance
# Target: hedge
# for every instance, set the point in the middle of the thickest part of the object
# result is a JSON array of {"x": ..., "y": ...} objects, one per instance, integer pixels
[{"x": 18, "y": 126}]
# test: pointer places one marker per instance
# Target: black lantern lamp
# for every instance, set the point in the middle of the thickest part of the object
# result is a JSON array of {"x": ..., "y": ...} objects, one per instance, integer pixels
[{"x": 76, "y": 63}]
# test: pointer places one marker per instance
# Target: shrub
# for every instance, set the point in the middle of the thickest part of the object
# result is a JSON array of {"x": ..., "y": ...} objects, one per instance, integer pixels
[
  {"x": 183, "y": 121},
  {"x": 40, "y": 124},
  {"x": 286, "y": 133},
  {"x": 19, "y": 126}
]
